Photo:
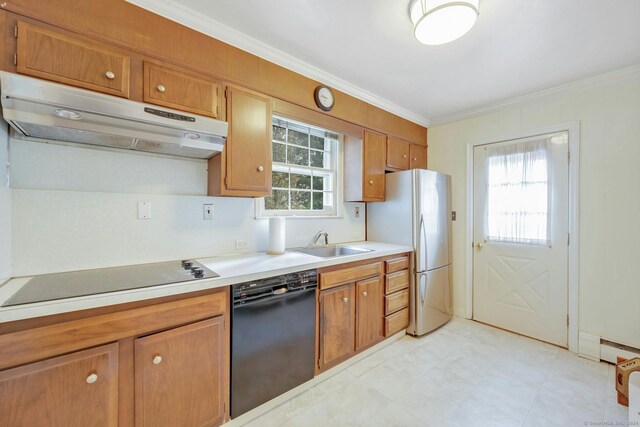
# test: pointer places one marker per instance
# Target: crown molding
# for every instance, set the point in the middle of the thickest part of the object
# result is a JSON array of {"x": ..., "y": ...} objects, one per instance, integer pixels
[
  {"x": 178, "y": 13},
  {"x": 578, "y": 85}
]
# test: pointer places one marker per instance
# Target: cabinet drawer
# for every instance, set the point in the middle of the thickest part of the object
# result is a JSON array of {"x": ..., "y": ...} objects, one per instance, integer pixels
[
  {"x": 47, "y": 341},
  {"x": 396, "y": 281},
  {"x": 54, "y": 56},
  {"x": 396, "y": 322},
  {"x": 396, "y": 264},
  {"x": 396, "y": 301},
  {"x": 348, "y": 275},
  {"x": 180, "y": 90}
]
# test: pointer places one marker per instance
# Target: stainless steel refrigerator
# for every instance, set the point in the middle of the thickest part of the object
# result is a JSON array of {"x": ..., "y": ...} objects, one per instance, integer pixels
[{"x": 417, "y": 212}]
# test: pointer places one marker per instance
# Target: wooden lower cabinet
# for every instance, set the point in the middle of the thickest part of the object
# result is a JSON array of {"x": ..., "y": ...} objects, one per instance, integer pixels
[
  {"x": 180, "y": 376},
  {"x": 337, "y": 324},
  {"x": 77, "y": 389},
  {"x": 369, "y": 312}
]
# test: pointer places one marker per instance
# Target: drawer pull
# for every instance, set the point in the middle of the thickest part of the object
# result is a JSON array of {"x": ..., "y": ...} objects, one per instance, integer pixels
[
  {"x": 110, "y": 75},
  {"x": 92, "y": 378},
  {"x": 161, "y": 88},
  {"x": 157, "y": 359}
]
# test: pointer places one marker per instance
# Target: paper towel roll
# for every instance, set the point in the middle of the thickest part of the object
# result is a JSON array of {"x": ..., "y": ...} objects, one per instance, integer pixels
[{"x": 276, "y": 235}]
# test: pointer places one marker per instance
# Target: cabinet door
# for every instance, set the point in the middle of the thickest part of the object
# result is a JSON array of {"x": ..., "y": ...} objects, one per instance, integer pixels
[
  {"x": 78, "y": 389},
  {"x": 172, "y": 88},
  {"x": 337, "y": 332},
  {"x": 369, "y": 312},
  {"x": 61, "y": 58},
  {"x": 180, "y": 376},
  {"x": 397, "y": 154},
  {"x": 248, "y": 147},
  {"x": 418, "y": 155},
  {"x": 375, "y": 148}
]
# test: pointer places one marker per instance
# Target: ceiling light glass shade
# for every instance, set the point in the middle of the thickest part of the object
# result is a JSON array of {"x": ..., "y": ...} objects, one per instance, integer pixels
[{"x": 441, "y": 21}]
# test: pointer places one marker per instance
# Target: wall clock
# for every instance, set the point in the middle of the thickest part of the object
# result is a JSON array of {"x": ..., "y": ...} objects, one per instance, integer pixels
[{"x": 324, "y": 98}]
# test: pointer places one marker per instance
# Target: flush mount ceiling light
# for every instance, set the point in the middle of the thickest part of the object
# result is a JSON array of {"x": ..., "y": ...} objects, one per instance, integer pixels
[
  {"x": 67, "y": 114},
  {"x": 441, "y": 21}
]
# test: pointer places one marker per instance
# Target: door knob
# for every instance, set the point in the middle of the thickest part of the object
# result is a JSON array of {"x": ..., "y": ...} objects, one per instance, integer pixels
[
  {"x": 260, "y": 168},
  {"x": 157, "y": 359},
  {"x": 479, "y": 245}
]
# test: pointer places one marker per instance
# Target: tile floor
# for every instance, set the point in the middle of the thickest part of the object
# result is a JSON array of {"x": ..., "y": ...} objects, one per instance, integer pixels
[{"x": 464, "y": 374}]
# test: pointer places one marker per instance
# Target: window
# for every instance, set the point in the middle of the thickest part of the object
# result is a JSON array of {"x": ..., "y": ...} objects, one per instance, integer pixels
[
  {"x": 303, "y": 172},
  {"x": 518, "y": 192}
]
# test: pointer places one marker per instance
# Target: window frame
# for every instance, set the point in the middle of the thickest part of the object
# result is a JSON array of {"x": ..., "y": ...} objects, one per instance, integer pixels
[{"x": 335, "y": 172}]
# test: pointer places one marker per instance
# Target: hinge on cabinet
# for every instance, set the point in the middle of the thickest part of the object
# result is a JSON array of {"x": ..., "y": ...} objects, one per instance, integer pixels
[
  {"x": 15, "y": 31},
  {"x": 15, "y": 59}
]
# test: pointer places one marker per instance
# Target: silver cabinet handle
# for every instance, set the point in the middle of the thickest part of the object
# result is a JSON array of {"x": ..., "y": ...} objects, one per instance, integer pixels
[
  {"x": 157, "y": 359},
  {"x": 161, "y": 88},
  {"x": 260, "y": 168},
  {"x": 364, "y": 294},
  {"x": 345, "y": 299},
  {"x": 110, "y": 75},
  {"x": 92, "y": 378}
]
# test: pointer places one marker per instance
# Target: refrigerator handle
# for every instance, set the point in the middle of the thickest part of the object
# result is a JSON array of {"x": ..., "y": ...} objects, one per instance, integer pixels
[
  {"x": 422, "y": 288},
  {"x": 422, "y": 247}
]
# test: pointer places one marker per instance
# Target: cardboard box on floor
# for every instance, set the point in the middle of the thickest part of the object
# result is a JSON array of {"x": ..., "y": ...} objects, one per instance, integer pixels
[{"x": 623, "y": 370}]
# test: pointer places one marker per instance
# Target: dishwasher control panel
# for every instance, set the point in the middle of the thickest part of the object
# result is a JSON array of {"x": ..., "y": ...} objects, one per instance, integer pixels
[{"x": 273, "y": 286}]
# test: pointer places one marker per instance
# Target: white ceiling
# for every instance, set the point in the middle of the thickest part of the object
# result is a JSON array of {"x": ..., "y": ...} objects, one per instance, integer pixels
[{"x": 367, "y": 48}]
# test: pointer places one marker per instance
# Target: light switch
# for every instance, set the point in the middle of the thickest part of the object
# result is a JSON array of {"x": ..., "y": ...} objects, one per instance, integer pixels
[
  {"x": 144, "y": 210},
  {"x": 208, "y": 211}
]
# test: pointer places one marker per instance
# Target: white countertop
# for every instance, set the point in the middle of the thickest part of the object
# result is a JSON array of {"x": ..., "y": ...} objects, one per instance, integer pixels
[{"x": 232, "y": 269}]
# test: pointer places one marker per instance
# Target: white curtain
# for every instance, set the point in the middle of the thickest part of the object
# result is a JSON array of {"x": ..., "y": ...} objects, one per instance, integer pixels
[{"x": 518, "y": 192}]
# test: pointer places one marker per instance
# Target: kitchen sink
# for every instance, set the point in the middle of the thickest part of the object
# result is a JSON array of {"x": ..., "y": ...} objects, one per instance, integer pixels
[{"x": 331, "y": 251}]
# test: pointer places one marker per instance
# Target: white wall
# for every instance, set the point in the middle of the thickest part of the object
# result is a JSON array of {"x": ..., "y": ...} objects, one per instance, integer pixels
[
  {"x": 76, "y": 208},
  {"x": 609, "y": 115},
  {"x": 5, "y": 206}
]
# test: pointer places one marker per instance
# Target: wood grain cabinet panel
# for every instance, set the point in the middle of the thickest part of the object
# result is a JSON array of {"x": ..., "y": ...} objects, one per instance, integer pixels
[
  {"x": 375, "y": 149},
  {"x": 348, "y": 275},
  {"x": 54, "y": 56},
  {"x": 368, "y": 312},
  {"x": 75, "y": 390},
  {"x": 179, "y": 89},
  {"x": 337, "y": 328},
  {"x": 396, "y": 301},
  {"x": 180, "y": 376},
  {"x": 418, "y": 156},
  {"x": 248, "y": 147},
  {"x": 396, "y": 322},
  {"x": 397, "y": 154},
  {"x": 397, "y": 264}
]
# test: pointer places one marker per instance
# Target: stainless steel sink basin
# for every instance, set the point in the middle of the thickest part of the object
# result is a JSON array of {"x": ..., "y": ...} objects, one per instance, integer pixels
[{"x": 331, "y": 251}]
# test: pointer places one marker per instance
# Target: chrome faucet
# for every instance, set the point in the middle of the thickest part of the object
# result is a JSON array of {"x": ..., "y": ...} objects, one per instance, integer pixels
[{"x": 317, "y": 237}]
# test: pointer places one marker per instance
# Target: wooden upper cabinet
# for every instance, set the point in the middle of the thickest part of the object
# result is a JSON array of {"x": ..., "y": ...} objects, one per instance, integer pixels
[
  {"x": 65, "y": 59},
  {"x": 337, "y": 328},
  {"x": 180, "y": 89},
  {"x": 397, "y": 154},
  {"x": 375, "y": 148},
  {"x": 418, "y": 156},
  {"x": 75, "y": 390},
  {"x": 180, "y": 376},
  {"x": 369, "y": 312},
  {"x": 248, "y": 147}
]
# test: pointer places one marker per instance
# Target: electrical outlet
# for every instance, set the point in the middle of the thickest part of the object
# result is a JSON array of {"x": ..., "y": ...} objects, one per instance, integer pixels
[
  {"x": 357, "y": 212},
  {"x": 144, "y": 210},
  {"x": 208, "y": 211},
  {"x": 242, "y": 244}
]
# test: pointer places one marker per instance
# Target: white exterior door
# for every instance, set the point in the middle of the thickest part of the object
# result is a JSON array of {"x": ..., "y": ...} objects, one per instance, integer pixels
[{"x": 520, "y": 233}]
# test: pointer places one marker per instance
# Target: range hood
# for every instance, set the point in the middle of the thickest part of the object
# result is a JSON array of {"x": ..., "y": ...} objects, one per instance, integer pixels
[{"x": 41, "y": 110}]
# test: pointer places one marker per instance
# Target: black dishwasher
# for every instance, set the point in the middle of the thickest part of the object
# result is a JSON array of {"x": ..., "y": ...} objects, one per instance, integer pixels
[{"x": 272, "y": 338}]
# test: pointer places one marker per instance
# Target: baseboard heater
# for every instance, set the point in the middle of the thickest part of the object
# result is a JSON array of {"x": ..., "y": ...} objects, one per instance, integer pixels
[{"x": 610, "y": 351}]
